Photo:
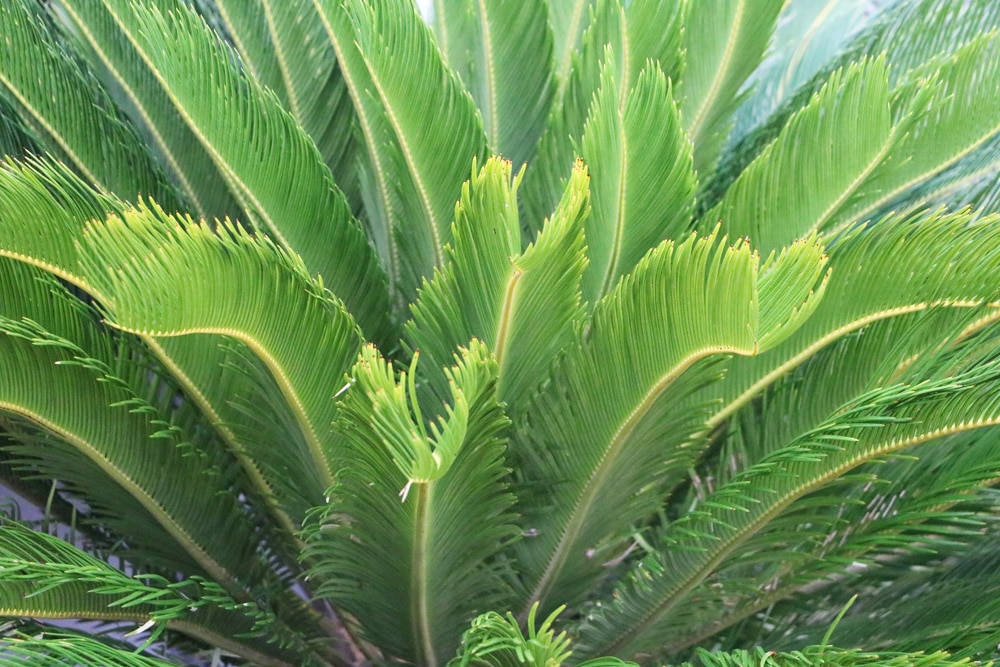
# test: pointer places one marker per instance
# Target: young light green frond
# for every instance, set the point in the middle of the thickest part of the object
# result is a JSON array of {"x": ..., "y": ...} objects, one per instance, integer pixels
[
  {"x": 247, "y": 289},
  {"x": 825, "y": 654},
  {"x": 823, "y": 154},
  {"x": 641, "y": 172},
  {"x": 415, "y": 567},
  {"x": 112, "y": 425},
  {"x": 70, "y": 110},
  {"x": 498, "y": 641},
  {"x": 879, "y": 424},
  {"x": 948, "y": 266},
  {"x": 284, "y": 46},
  {"x": 121, "y": 69},
  {"x": 567, "y": 21},
  {"x": 522, "y": 305},
  {"x": 59, "y": 205},
  {"x": 252, "y": 145},
  {"x": 724, "y": 42},
  {"x": 417, "y": 168},
  {"x": 961, "y": 118},
  {"x": 683, "y": 303}
]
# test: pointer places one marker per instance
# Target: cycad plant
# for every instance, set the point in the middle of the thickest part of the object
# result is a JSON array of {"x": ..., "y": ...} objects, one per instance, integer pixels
[{"x": 301, "y": 365}]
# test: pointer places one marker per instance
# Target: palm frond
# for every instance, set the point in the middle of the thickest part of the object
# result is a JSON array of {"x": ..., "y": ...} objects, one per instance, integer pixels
[
  {"x": 120, "y": 67},
  {"x": 308, "y": 348},
  {"x": 510, "y": 74},
  {"x": 724, "y": 42},
  {"x": 523, "y": 306},
  {"x": 253, "y": 143},
  {"x": 643, "y": 182},
  {"x": 61, "y": 647},
  {"x": 44, "y": 577},
  {"x": 879, "y": 424},
  {"x": 113, "y": 426},
  {"x": 69, "y": 109},
  {"x": 426, "y": 507},
  {"x": 588, "y": 442},
  {"x": 814, "y": 166},
  {"x": 415, "y": 170},
  {"x": 958, "y": 278},
  {"x": 285, "y": 48},
  {"x": 568, "y": 20},
  {"x": 622, "y": 39}
]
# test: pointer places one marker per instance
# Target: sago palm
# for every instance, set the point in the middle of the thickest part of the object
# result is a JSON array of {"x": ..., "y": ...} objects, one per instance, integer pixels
[{"x": 301, "y": 365}]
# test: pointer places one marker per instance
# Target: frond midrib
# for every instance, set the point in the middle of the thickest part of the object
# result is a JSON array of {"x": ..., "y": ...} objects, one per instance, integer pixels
[
  {"x": 150, "y": 504},
  {"x": 726, "y": 547},
  {"x": 592, "y": 487}
]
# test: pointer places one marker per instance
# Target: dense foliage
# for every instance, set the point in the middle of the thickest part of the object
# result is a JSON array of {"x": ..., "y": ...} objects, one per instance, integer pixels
[{"x": 299, "y": 365}]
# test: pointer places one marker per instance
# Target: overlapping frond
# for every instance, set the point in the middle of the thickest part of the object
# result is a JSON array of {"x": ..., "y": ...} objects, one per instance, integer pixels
[
  {"x": 253, "y": 144},
  {"x": 44, "y": 577},
  {"x": 619, "y": 38},
  {"x": 523, "y": 306},
  {"x": 878, "y": 424},
  {"x": 960, "y": 277},
  {"x": 145, "y": 260},
  {"x": 425, "y": 505},
  {"x": 643, "y": 183},
  {"x": 414, "y": 169},
  {"x": 69, "y": 109},
  {"x": 284, "y": 46},
  {"x": 724, "y": 42},
  {"x": 503, "y": 54},
  {"x": 817, "y": 162},
  {"x": 683, "y": 303},
  {"x": 50, "y": 342}
]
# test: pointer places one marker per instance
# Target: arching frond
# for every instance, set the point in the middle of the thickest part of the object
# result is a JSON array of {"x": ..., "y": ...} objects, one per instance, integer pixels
[
  {"x": 285, "y": 48},
  {"x": 960, "y": 277},
  {"x": 308, "y": 347},
  {"x": 253, "y": 143},
  {"x": 48, "y": 337},
  {"x": 424, "y": 505},
  {"x": 414, "y": 169},
  {"x": 683, "y": 303},
  {"x": 879, "y": 424},
  {"x": 724, "y": 42},
  {"x": 524, "y": 306},
  {"x": 44, "y": 577},
  {"x": 69, "y": 109}
]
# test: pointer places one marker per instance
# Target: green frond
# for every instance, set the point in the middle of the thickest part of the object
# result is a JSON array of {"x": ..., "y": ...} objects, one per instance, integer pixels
[
  {"x": 808, "y": 36},
  {"x": 498, "y": 641},
  {"x": 876, "y": 425},
  {"x": 147, "y": 264},
  {"x": 51, "y": 342},
  {"x": 119, "y": 66},
  {"x": 961, "y": 118},
  {"x": 643, "y": 183},
  {"x": 683, "y": 303},
  {"x": 424, "y": 506},
  {"x": 59, "y": 205},
  {"x": 284, "y": 47},
  {"x": 568, "y": 20},
  {"x": 623, "y": 40},
  {"x": 252, "y": 145},
  {"x": 415, "y": 169},
  {"x": 522, "y": 305},
  {"x": 724, "y": 42},
  {"x": 826, "y": 655},
  {"x": 799, "y": 182},
  {"x": 505, "y": 61},
  {"x": 44, "y": 577},
  {"x": 857, "y": 295},
  {"x": 61, "y": 647},
  {"x": 69, "y": 109}
]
